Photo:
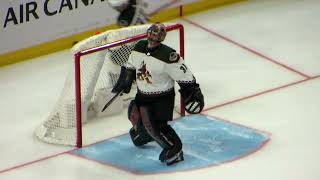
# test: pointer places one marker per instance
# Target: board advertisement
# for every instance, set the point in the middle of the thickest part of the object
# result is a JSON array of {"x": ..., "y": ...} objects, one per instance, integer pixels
[{"x": 32, "y": 22}]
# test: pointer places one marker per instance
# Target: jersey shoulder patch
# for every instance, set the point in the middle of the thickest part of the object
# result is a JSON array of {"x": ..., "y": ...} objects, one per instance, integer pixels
[
  {"x": 174, "y": 57},
  {"x": 166, "y": 54}
]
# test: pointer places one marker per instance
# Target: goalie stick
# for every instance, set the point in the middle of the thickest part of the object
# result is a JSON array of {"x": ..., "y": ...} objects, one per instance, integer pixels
[{"x": 111, "y": 101}]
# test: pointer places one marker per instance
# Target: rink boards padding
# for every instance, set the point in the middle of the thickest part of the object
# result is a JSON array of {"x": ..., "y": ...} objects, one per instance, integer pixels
[{"x": 207, "y": 141}]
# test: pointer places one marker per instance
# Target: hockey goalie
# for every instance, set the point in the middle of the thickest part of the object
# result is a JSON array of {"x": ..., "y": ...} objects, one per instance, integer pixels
[{"x": 156, "y": 67}]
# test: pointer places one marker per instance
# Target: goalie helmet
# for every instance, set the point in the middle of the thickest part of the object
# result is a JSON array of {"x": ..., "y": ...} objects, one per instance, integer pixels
[{"x": 156, "y": 32}]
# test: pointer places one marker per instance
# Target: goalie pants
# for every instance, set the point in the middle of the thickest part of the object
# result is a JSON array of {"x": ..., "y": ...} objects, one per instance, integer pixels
[{"x": 155, "y": 113}]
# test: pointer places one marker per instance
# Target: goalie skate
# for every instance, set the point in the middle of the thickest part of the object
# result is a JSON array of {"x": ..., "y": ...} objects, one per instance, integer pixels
[{"x": 172, "y": 160}]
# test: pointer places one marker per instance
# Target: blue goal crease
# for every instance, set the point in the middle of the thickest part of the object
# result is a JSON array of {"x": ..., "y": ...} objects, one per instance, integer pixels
[{"x": 206, "y": 140}]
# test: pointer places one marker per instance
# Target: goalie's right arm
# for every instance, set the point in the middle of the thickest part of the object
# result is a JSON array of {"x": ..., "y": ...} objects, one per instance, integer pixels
[{"x": 127, "y": 76}]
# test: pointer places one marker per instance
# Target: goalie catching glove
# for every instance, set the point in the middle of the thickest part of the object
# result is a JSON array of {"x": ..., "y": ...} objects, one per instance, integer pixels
[
  {"x": 193, "y": 99},
  {"x": 124, "y": 83}
]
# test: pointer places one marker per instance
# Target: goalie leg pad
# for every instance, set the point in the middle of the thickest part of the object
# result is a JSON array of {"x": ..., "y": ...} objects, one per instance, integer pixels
[
  {"x": 173, "y": 153},
  {"x": 133, "y": 113},
  {"x": 155, "y": 116},
  {"x": 151, "y": 127},
  {"x": 139, "y": 136},
  {"x": 138, "y": 133}
]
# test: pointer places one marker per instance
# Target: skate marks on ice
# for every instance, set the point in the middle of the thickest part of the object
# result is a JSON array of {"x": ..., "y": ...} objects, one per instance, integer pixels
[{"x": 207, "y": 141}]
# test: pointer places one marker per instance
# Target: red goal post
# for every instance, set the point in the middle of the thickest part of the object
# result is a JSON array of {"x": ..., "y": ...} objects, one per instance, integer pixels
[{"x": 77, "y": 66}]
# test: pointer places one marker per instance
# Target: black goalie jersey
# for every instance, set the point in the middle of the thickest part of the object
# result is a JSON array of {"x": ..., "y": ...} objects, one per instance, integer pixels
[{"x": 157, "y": 70}]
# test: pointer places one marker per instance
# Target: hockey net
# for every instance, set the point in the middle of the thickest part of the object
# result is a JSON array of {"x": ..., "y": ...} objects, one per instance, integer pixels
[{"x": 97, "y": 62}]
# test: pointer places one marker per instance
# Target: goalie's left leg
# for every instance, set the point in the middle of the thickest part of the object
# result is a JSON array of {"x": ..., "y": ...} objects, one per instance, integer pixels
[
  {"x": 172, "y": 153},
  {"x": 155, "y": 117}
]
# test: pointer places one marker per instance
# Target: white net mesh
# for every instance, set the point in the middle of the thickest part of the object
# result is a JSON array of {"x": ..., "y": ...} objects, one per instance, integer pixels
[{"x": 99, "y": 71}]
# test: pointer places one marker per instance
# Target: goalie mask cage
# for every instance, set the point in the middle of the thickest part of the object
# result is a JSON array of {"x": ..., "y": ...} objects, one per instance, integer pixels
[{"x": 93, "y": 59}]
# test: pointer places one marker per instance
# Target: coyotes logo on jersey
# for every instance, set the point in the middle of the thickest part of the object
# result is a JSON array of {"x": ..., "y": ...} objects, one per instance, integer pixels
[{"x": 143, "y": 73}]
